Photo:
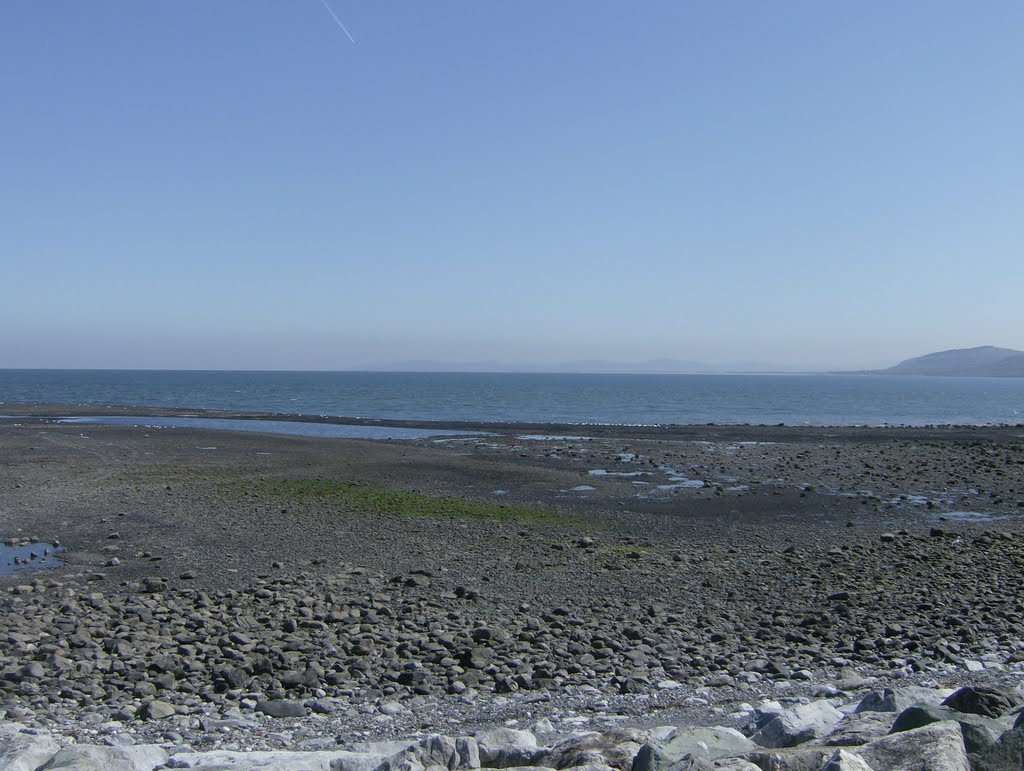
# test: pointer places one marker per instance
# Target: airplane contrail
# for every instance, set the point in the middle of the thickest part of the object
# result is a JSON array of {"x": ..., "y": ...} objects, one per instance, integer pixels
[{"x": 338, "y": 21}]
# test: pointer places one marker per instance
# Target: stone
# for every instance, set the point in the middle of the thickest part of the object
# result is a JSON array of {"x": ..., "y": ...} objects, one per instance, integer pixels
[
  {"x": 898, "y": 699},
  {"x": 92, "y": 757},
  {"x": 799, "y": 759},
  {"x": 21, "y": 751},
  {"x": 281, "y": 708},
  {"x": 934, "y": 747},
  {"x": 157, "y": 710},
  {"x": 978, "y": 733},
  {"x": 844, "y": 760},
  {"x": 798, "y": 725},
  {"x": 1006, "y": 754},
  {"x": 507, "y": 747},
  {"x": 859, "y": 728},
  {"x": 616, "y": 748},
  {"x": 709, "y": 743},
  {"x": 985, "y": 700},
  {"x": 435, "y": 751}
]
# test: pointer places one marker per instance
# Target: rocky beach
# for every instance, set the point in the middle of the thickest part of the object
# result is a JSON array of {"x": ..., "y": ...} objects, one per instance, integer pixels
[{"x": 596, "y": 593}]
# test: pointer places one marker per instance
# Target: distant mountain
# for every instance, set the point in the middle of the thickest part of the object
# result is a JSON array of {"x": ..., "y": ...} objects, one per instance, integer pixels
[
  {"x": 983, "y": 361},
  {"x": 661, "y": 366}
]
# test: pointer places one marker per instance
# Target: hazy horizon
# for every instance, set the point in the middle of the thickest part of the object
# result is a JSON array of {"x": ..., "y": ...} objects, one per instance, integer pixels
[{"x": 241, "y": 186}]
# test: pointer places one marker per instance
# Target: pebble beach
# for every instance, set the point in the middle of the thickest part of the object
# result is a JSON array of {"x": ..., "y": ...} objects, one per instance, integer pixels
[{"x": 228, "y": 592}]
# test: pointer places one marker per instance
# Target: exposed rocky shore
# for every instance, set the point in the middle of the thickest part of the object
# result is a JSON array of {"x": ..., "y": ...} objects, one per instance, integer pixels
[{"x": 225, "y": 592}]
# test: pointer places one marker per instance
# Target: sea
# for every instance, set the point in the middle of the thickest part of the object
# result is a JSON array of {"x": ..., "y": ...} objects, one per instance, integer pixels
[{"x": 812, "y": 399}]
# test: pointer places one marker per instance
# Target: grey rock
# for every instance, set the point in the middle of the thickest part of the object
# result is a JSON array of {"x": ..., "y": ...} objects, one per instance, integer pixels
[
  {"x": 798, "y": 725},
  {"x": 934, "y": 747},
  {"x": 799, "y": 759},
  {"x": 507, "y": 747},
  {"x": 92, "y": 757},
  {"x": 988, "y": 701},
  {"x": 157, "y": 710},
  {"x": 281, "y": 708},
  {"x": 616, "y": 749},
  {"x": 20, "y": 751},
  {"x": 435, "y": 751},
  {"x": 844, "y": 760},
  {"x": 978, "y": 732},
  {"x": 898, "y": 699},
  {"x": 859, "y": 728},
  {"x": 1006, "y": 754},
  {"x": 709, "y": 743}
]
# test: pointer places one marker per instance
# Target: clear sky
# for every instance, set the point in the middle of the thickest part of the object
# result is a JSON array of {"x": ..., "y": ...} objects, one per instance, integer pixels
[{"x": 236, "y": 184}]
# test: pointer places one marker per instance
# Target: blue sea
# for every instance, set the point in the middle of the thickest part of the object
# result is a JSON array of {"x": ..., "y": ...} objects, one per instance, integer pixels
[{"x": 541, "y": 398}]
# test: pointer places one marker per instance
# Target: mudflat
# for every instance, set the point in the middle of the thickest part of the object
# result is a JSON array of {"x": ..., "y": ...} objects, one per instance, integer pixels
[{"x": 631, "y": 567}]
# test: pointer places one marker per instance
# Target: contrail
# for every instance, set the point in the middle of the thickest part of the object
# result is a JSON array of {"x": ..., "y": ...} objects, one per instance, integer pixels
[{"x": 338, "y": 21}]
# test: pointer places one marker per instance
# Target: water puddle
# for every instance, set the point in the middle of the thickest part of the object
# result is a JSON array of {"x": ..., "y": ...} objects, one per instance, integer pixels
[
  {"x": 600, "y": 472},
  {"x": 688, "y": 484},
  {"x": 297, "y": 428},
  {"x": 966, "y": 516},
  {"x": 28, "y": 556}
]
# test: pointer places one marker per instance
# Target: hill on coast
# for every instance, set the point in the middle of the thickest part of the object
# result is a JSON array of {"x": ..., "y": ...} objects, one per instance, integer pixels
[{"x": 983, "y": 361}]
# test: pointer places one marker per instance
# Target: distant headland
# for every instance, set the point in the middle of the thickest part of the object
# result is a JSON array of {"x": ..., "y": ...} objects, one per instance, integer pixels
[{"x": 983, "y": 361}]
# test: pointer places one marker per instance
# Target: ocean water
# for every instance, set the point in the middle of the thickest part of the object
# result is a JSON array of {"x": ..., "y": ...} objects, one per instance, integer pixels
[{"x": 542, "y": 398}]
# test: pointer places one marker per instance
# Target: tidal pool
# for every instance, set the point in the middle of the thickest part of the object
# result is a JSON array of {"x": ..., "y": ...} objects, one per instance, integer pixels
[{"x": 29, "y": 556}]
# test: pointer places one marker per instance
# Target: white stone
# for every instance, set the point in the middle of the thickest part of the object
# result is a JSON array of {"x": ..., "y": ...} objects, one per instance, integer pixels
[
  {"x": 92, "y": 757},
  {"x": 23, "y": 751},
  {"x": 800, "y": 724},
  {"x": 934, "y": 747},
  {"x": 844, "y": 760}
]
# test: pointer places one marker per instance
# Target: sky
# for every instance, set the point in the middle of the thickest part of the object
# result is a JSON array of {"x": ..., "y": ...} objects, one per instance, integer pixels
[{"x": 239, "y": 185}]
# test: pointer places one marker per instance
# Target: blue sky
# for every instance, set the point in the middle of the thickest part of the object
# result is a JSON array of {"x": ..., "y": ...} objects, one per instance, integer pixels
[{"x": 231, "y": 184}]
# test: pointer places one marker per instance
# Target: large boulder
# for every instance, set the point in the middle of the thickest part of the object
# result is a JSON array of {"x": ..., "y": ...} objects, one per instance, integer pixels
[
  {"x": 507, "y": 748},
  {"x": 435, "y": 752},
  {"x": 21, "y": 751},
  {"x": 859, "y": 728},
  {"x": 793, "y": 759},
  {"x": 844, "y": 760},
  {"x": 616, "y": 749},
  {"x": 708, "y": 743},
  {"x": 978, "y": 732},
  {"x": 985, "y": 700},
  {"x": 1005, "y": 754},
  {"x": 934, "y": 747},
  {"x": 800, "y": 724},
  {"x": 898, "y": 699},
  {"x": 92, "y": 757}
]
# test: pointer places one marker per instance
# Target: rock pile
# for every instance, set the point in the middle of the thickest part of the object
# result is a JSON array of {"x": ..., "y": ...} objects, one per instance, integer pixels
[{"x": 973, "y": 729}]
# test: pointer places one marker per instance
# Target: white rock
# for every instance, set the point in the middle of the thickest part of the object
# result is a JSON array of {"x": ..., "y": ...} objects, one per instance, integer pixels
[
  {"x": 507, "y": 747},
  {"x": 844, "y": 760},
  {"x": 934, "y": 747},
  {"x": 23, "y": 751},
  {"x": 800, "y": 724},
  {"x": 92, "y": 757}
]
